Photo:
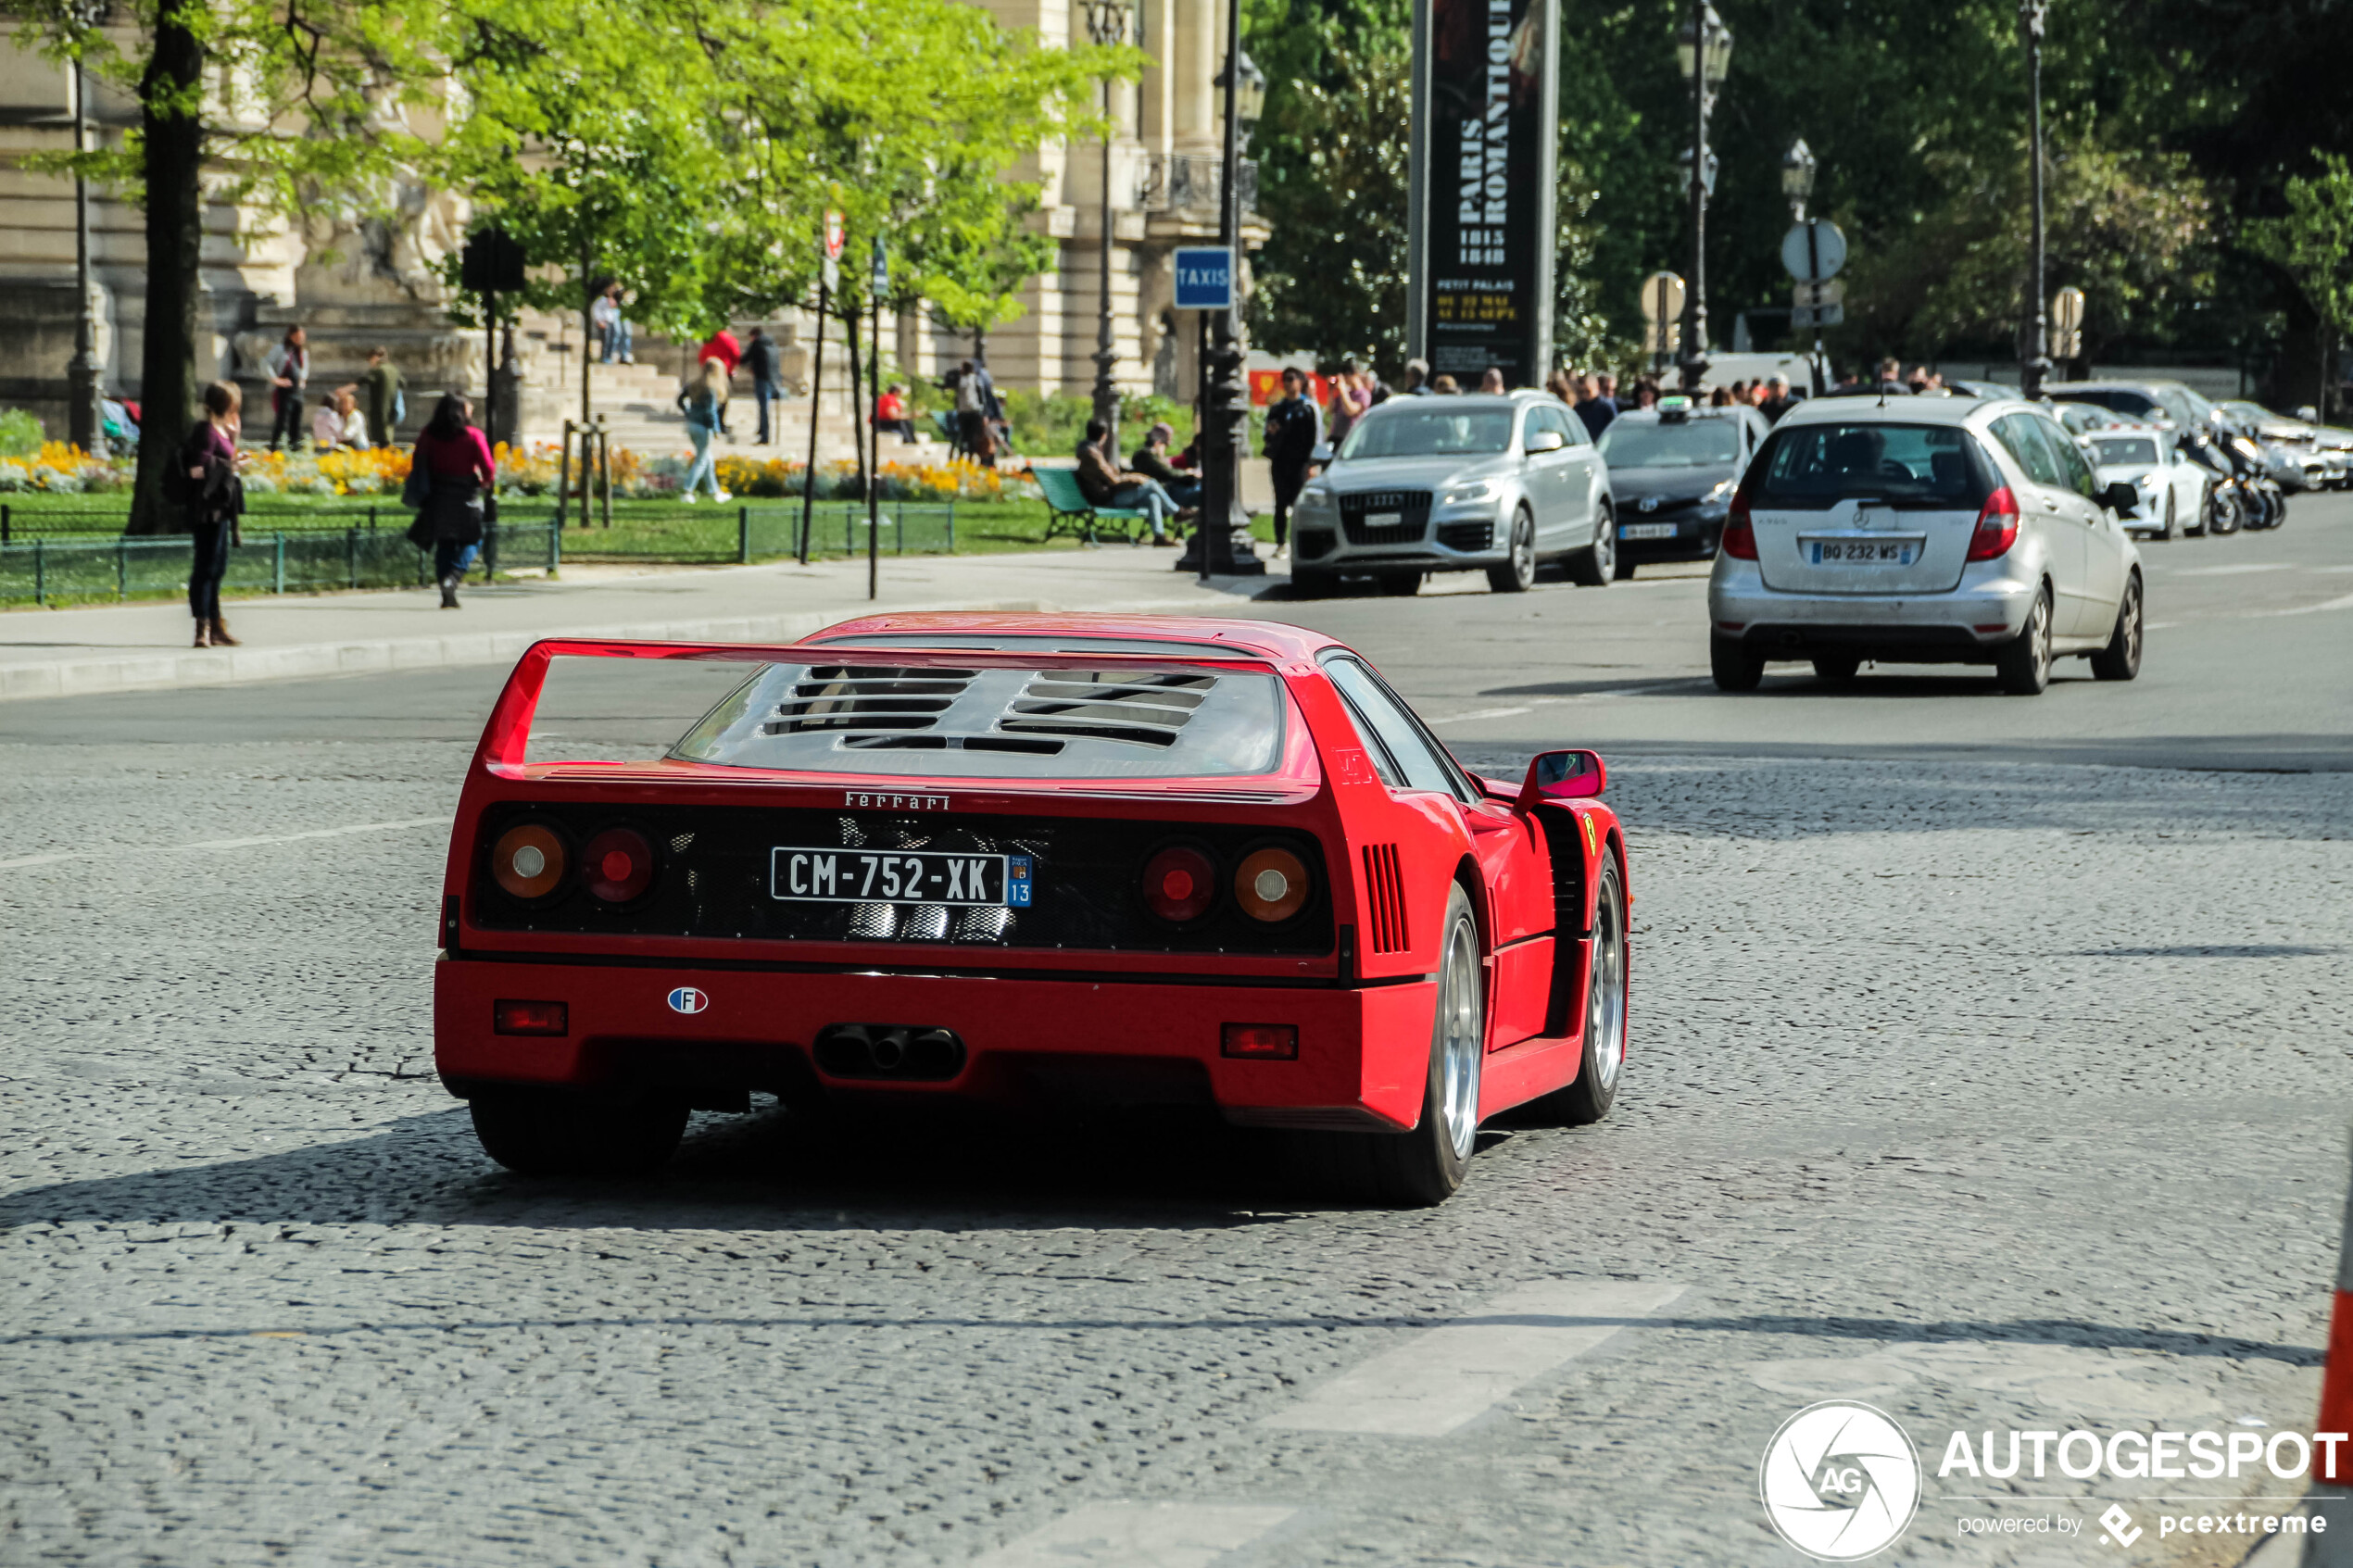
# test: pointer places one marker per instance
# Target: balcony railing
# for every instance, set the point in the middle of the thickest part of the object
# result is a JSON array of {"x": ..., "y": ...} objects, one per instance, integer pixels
[{"x": 1190, "y": 182}]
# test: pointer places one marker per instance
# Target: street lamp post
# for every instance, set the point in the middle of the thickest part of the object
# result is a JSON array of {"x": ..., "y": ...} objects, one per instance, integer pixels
[
  {"x": 1221, "y": 544},
  {"x": 1703, "y": 50},
  {"x": 1107, "y": 25},
  {"x": 85, "y": 425},
  {"x": 2031, "y": 16}
]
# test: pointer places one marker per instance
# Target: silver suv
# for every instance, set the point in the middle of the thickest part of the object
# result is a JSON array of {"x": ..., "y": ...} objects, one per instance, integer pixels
[
  {"x": 1457, "y": 483},
  {"x": 1924, "y": 529}
]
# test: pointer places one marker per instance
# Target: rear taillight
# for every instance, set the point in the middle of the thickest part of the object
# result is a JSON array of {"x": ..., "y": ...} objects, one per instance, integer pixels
[
  {"x": 1997, "y": 526},
  {"x": 1271, "y": 884},
  {"x": 619, "y": 864},
  {"x": 530, "y": 1018},
  {"x": 1740, "y": 534},
  {"x": 527, "y": 861},
  {"x": 1179, "y": 884}
]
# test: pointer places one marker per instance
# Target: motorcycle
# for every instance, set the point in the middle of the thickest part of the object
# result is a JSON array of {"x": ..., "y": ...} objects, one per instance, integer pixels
[
  {"x": 2226, "y": 502},
  {"x": 2266, "y": 502}
]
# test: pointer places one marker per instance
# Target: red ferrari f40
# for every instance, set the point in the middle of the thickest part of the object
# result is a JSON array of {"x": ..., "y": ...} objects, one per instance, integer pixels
[{"x": 1011, "y": 859}]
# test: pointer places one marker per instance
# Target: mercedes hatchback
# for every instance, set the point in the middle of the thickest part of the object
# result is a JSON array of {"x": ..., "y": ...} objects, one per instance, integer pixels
[{"x": 1946, "y": 531}]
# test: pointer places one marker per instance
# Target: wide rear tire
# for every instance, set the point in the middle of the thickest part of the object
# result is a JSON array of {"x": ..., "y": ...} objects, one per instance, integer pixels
[
  {"x": 1588, "y": 1098},
  {"x": 1421, "y": 1168},
  {"x": 542, "y": 1131}
]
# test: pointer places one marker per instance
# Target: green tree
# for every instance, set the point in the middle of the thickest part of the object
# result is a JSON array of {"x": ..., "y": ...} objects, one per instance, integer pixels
[
  {"x": 266, "y": 103},
  {"x": 2313, "y": 244}
]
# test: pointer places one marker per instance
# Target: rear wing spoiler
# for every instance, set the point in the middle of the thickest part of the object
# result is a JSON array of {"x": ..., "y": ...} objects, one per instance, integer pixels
[{"x": 506, "y": 739}]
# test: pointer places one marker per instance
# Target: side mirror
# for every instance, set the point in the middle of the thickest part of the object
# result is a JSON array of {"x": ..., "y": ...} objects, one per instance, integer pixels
[
  {"x": 1546, "y": 441},
  {"x": 2121, "y": 498},
  {"x": 1562, "y": 775}
]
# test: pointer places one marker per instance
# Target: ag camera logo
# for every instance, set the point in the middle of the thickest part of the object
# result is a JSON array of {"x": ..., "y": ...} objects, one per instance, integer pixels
[{"x": 1840, "y": 1481}]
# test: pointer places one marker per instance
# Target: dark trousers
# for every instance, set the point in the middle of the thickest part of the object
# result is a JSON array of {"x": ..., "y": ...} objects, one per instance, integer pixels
[
  {"x": 287, "y": 428},
  {"x": 208, "y": 566},
  {"x": 765, "y": 393},
  {"x": 452, "y": 558},
  {"x": 1289, "y": 482}
]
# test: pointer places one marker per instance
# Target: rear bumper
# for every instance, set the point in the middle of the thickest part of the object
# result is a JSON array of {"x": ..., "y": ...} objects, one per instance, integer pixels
[
  {"x": 1968, "y": 623},
  {"x": 1363, "y": 1052}
]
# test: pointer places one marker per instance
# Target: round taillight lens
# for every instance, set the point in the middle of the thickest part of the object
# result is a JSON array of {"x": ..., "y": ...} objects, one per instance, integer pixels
[
  {"x": 1179, "y": 884},
  {"x": 1271, "y": 884},
  {"x": 619, "y": 864},
  {"x": 527, "y": 861}
]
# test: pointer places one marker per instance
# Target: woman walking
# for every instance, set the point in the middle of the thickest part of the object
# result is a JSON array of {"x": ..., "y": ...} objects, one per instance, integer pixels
[
  {"x": 458, "y": 467},
  {"x": 215, "y": 498},
  {"x": 704, "y": 400}
]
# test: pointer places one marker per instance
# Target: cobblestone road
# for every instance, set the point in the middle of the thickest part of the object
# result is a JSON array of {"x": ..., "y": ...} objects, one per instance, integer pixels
[{"x": 2010, "y": 1096}]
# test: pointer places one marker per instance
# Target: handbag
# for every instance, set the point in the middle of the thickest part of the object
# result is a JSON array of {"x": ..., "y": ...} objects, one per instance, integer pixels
[{"x": 417, "y": 489}]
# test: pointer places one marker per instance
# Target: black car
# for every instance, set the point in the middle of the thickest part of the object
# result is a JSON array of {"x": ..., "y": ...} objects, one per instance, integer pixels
[{"x": 1672, "y": 472}]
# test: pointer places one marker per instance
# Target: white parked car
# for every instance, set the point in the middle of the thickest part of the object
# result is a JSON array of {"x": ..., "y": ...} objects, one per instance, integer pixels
[
  {"x": 1457, "y": 483},
  {"x": 2172, "y": 489},
  {"x": 1924, "y": 529}
]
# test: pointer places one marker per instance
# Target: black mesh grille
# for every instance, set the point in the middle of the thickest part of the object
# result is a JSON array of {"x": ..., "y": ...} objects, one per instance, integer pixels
[
  {"x": 713, "y": 880},
  {"x": 1411, "y": 507}
]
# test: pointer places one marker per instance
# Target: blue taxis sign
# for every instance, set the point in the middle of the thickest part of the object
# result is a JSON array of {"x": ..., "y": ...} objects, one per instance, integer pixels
[{"x": 1204, "y": 278}]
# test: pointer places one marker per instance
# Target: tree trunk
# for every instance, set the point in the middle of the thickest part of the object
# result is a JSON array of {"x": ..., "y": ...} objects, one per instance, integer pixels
[{"x": 173, "y": 130}]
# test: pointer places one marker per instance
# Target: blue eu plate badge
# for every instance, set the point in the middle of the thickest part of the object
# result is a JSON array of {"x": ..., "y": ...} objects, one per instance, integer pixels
[{"x": 1018, "y": 881}]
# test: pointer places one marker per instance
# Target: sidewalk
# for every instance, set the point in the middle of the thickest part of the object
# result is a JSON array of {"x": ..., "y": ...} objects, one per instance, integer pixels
[{"x": 143, "y": 646}]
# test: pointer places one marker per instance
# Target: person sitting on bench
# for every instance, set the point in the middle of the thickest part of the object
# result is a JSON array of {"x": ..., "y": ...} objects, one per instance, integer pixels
[{"x": 1105, "y": 484}]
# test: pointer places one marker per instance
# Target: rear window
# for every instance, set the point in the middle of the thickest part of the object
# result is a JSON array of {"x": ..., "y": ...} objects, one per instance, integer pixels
[
  {"x": 1906, "y": 465},
  {"x": 2124, "y": 449},
  {"x": 1656, "y": 444},
  {"x": 2134, "y": 403},
  {"x": 1052, "y": 721}
]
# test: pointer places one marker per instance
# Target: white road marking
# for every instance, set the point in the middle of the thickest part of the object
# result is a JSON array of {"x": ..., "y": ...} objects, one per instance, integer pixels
[
  {"x": 1137, "y": 1535},
  {"x": 2343, "y": 602},
  {"x": 1452, "y": 1374},
  {"x": 212, "y": 844},
  {"x": 2240, "y": 569},
  {"x": 1482, "y": 713}
]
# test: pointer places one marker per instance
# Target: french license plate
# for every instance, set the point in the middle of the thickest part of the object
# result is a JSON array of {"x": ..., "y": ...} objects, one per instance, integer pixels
[
  {"x": 1859, "y": 552},
  {"x": 1646, "y": 530},
  {"x": 897, "y": 876},
  {"x": 1383, "y": 520}
]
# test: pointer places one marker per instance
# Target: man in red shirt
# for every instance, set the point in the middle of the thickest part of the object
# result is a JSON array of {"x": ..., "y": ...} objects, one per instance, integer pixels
[{"x": 722, "y": 348}]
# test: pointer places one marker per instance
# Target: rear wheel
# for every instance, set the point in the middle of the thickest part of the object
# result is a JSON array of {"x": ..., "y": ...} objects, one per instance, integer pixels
[
  {"x": 1595, "y": 566},
  {"x": 1517, "y": 574},
  {"x": 1421, "y": 1168},
  {"x": 1837, "y": 666},
  {"x": 1400, "y": 584},
  {"x": 2024, "y": 665},
  {"x": 1734, "y": 667},
  {"x": 542, "y": 1131},
  {"x": 2227, "y": 513},
  {"x": 2121, "y": 661},
  {"x": 1589, "y": 1097}
]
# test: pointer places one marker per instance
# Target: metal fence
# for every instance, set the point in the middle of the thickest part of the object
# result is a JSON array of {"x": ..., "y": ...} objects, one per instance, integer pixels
[{"x": 47, "y": 570}]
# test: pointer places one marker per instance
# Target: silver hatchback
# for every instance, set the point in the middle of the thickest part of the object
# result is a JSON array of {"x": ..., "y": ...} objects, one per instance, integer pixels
[
  {"x": 1924, "y": 529},
  {"x": 1495, "y": 484}
]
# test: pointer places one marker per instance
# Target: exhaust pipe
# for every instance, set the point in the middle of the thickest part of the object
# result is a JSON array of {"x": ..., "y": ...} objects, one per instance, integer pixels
[{"x": 889, "y": 1052}]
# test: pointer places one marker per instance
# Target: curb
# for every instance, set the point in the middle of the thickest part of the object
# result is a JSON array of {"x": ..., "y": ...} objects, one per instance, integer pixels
[{"x": 223, "y": 667}]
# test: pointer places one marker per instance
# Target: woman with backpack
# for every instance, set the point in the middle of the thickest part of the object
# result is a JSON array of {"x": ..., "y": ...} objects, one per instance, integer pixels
[
  {"x": 704, "y": 400},
  {"x": 450, "y": 470},
  {"x": 206, "y": 482}
]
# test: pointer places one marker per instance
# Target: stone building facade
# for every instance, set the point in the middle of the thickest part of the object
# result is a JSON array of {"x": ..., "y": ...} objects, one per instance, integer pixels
[{"x": 357, "y": 283}]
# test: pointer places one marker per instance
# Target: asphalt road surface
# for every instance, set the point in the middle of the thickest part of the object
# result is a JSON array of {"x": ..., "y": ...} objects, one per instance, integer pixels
[{"x": 1990, "y": 1064}]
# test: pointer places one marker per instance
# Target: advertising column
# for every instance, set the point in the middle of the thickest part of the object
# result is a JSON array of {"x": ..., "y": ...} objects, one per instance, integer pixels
[{"x": 1486, "y": 90}]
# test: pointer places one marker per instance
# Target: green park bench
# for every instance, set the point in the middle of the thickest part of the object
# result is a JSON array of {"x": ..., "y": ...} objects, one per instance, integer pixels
[{"x": 1074, "y": 514}]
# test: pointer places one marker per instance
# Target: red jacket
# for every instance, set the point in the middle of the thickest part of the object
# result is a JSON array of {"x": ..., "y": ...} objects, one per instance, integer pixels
[{"x": 723, "y": 348}]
